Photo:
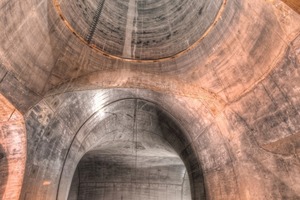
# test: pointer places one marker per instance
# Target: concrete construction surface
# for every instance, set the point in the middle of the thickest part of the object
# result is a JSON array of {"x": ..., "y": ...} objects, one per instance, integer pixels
[{"x": 149, "y": 99}]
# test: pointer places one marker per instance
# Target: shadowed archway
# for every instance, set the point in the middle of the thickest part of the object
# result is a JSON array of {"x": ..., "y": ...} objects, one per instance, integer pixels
[{"x": 149, "y": 137}]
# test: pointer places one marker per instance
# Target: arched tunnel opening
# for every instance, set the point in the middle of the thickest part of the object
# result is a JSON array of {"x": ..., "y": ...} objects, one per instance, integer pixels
[
  {"x": 131, "y": 150},
  {"x": 123, "y": 173}
]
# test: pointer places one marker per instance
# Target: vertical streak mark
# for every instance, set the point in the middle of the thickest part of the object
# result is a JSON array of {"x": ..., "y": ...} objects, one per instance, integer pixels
[
  {"x": 135, "y": 137},
  {"x": 95, "y": 22},
  {"x": 135, "y": 30},
  {"x": 131, "y": 13}
]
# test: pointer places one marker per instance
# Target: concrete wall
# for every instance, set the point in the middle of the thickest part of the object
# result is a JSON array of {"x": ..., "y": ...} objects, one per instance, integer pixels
[{"x": 12, "y": 150}]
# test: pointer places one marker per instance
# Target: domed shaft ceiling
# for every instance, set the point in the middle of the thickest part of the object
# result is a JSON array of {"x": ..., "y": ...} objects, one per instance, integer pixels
[{"x": 140, "y": 29}]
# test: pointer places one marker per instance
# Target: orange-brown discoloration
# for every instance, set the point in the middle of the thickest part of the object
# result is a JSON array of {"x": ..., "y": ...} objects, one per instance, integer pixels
[
  {"x": 13, "y": 147},
  {"x": 294, "y": 4}
]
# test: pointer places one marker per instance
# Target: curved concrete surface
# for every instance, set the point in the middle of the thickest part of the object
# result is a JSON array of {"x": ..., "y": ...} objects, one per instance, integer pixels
[
  {"x": 224, "y": 86},
  {"x": 140, "y": 29},
  {"x": 12, "y": 150}
]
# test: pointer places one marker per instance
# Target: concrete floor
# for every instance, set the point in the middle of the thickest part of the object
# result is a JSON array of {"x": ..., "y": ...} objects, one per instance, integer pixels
[{"x": 142, "y": 99}]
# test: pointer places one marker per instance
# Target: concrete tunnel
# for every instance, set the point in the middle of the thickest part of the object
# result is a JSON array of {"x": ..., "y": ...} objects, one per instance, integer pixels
[{"x": 149, "y": 99}]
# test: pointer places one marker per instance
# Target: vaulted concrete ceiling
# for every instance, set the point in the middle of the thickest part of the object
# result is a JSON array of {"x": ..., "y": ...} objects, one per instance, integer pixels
[
  {"x": 223, "y": 74},
  {"x": 143, "y": 30}
]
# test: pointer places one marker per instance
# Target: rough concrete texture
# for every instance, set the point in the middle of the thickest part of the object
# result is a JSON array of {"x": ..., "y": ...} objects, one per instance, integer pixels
[
  {"x": 103, "y": 88},
  {"x": 12, "y": 150},
  {"x": 140, "y": 29},
  {"x": 294, "y": 4},
  {"x": 110, "y": 126}
]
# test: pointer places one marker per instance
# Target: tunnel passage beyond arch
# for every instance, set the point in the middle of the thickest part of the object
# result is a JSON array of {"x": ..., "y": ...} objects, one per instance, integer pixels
[
  {"x": 131, "y": 171},
  {"x": 131, "y": 149}
]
